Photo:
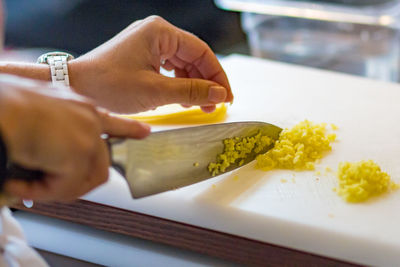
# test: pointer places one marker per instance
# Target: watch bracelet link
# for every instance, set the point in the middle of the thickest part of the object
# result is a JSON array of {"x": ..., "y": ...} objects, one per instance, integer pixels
[
  {"x": 57, "y": 62},
  {"x": 59, "y": 70}
]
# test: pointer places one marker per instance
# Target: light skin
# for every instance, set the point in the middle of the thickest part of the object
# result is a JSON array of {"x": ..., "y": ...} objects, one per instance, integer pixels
[{"x": 46, "y": 128}]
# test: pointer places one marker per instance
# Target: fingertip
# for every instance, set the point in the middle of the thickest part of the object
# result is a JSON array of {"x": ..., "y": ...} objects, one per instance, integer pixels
[
  {"x": 217, "y": 94},
  {"x": 229, "y": 99},
  {"x": 123, "y": 127},
  {"x": 15, "y": 188},
  {"x": 22, "y": 189},
  {"x": 140, "y": 130},
  {"x": 208, "y": 109}
]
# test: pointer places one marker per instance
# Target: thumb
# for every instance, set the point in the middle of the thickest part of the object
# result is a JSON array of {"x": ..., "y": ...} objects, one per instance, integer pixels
[
  {"x": 190, "y": 91},
  {"x": 122, "y": 127}
]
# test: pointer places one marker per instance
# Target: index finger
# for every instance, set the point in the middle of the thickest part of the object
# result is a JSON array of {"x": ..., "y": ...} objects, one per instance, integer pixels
[{"x": 122, "y": 127}]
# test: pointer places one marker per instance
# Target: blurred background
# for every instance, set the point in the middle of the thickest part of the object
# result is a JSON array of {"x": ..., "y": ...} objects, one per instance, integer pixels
[
  {"x": 80, "y": 25},
  {"x": 358, "y": 37}
]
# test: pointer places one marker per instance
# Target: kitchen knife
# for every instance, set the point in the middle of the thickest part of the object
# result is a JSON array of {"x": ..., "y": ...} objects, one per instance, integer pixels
[{"x": 171, "y": 159}]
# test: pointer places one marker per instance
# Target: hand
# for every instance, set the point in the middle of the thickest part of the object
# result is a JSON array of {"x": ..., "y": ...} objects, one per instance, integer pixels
[
  {"x": 57, "y": 132},
  {"x": 123, "y": 73}
]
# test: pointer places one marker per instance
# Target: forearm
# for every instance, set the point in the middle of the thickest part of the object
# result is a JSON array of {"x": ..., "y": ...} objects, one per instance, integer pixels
[
  {"x": 27, "y": 70},
  {"x": 42, "y": 72}
]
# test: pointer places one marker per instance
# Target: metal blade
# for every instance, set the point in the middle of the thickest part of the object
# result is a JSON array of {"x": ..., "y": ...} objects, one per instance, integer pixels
[{"x": 172, "y": 159}]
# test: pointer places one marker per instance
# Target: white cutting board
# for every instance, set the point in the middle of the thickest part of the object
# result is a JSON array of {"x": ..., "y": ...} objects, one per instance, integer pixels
[{"x": 305, "y": 214}]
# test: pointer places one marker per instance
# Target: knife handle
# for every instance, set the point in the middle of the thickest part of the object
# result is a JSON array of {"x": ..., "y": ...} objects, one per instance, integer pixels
[{"x": 17, "y": 172}]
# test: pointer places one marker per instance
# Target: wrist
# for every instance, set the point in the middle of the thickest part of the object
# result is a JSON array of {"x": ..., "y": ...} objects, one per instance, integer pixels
[
  {"x": 75, "y": 70},
  {"x": 83, "y": 79}
]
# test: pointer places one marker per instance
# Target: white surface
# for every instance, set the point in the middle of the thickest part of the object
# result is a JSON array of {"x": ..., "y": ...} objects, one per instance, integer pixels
[
  {"x": 105, "y": 248},
  {"x": 307, "y": 214}
]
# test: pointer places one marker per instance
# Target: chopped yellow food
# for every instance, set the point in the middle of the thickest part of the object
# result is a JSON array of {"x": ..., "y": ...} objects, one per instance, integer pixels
[
  {"x": 236, "y": 150},
  {"x": 334, "y": 126},
  {"x": 362, "y": 180},
  {"x": 191, "y": 116},
  {"x": 196, "y": 164},
  {"x": 298, "y": 148},
  {"x": 283, "y": 181},
  {"x": 328, "y": 169},
  {"x": 317, "y": 173}
]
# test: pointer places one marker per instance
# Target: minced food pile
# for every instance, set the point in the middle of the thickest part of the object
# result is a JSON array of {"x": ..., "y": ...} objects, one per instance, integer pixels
[
  {"x": 298, "y": 148},
  {"x": 362, "y": 180},
  {"x": 236, "y": 150}
]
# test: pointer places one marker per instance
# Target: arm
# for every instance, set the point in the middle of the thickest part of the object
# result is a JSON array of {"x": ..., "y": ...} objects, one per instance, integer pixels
[
  {"x": 27, "y": 70},
  {"x": 123, "y": 74}
]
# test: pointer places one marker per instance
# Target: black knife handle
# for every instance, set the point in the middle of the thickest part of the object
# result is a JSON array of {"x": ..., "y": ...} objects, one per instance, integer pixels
[
  {"x": 17, "y": 172},
  {"x": 9, "y": 171}
]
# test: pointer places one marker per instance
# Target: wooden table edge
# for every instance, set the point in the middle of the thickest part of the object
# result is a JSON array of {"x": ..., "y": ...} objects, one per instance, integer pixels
[{"x": 217, "y": 244}]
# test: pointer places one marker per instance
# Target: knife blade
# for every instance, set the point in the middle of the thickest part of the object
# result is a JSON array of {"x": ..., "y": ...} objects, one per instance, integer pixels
[{"x": 172, "y": 159}]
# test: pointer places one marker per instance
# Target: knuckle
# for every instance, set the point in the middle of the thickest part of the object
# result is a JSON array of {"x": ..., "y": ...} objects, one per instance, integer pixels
[
  {"x": 89, "y": 106},
  {"x": 103, "y": 114},
  {"x": 154, "y": 19},
  {"x": 193, "y": 91},
  {"x": 90, "y": 122},
  {"x": 86, "y": 146}
]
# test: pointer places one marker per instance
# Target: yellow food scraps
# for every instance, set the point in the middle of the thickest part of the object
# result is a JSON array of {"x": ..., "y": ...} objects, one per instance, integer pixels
[
  {"x": 191, "y": 116},
  {"x": 334, "y": 127},
  {"x": 236, "y": 150},
  {"x": 362, "y": 180},
  {"x": 298, "y": 148},
  {"x": 196, "y": 164},
  {"x": 283, "y": 181}
]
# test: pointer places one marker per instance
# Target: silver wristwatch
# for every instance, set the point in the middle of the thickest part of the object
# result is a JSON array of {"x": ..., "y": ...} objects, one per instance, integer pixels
[{"x": 58, "y": 66}]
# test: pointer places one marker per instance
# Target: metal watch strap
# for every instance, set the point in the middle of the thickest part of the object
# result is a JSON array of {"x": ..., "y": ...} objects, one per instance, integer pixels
[
  {"x": 58, "y": 66},
  {"x": 58, "y": 70}
]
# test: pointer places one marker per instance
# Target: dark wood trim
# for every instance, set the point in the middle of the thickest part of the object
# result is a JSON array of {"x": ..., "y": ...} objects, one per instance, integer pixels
[{"x": 213, "y": 243}]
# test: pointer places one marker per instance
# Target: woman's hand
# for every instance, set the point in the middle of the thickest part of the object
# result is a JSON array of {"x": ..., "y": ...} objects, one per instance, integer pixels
[
  {"x": 123, "y": 73},
  {"x": 58, "y": 132}
]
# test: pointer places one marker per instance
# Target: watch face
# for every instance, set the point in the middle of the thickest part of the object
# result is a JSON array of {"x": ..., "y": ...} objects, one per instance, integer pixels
[{"x": 43, "y": 58}]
